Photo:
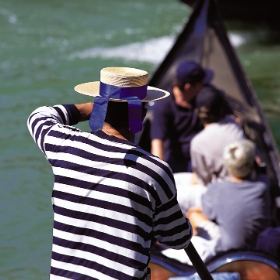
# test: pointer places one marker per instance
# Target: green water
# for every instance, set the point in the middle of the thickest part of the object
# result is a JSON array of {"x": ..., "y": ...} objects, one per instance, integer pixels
[{"x": 46, "y": 48}]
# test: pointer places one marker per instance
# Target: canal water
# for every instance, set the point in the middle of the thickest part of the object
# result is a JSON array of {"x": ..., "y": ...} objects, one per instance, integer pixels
[{"x": 46, "y": 48}]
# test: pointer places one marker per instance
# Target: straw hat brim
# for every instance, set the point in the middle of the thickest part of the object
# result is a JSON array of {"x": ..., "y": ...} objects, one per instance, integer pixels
[{"x": 92, "y": 89}]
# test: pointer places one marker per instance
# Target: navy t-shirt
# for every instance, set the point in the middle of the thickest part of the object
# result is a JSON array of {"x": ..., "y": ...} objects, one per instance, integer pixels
[{"x": 176, "y": 126}]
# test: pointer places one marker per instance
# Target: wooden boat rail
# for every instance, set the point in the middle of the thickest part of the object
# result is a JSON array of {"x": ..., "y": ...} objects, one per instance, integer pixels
[{"x": 249, "y": 265}]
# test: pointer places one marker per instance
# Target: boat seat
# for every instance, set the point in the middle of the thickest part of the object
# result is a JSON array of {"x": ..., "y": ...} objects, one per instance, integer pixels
[{"x": 250, "y": 265}]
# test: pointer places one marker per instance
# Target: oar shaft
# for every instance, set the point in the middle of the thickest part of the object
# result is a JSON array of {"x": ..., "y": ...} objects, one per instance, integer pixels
[{"x": 198, "y": 264}]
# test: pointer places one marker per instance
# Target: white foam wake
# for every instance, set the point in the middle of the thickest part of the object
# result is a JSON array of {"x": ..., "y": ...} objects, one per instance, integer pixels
[
  {"x": 152, "y": 51},
  {"x": 9, "y": 16}
]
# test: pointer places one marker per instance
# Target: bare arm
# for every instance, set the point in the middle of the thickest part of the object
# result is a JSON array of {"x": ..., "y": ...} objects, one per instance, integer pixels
[
  {"x": 196, "y": 217},
  {"x": 194, "y": 179},
  {"x": 85, "y": 110},
  {"x": 157, "y": 148}
]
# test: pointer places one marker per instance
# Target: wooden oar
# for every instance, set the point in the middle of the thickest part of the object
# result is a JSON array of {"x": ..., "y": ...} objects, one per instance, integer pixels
[{"x": 198, "y": 264}]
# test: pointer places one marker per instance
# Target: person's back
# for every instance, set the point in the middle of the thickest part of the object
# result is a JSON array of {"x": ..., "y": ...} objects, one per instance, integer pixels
[
  {"x": 111, "y": 198},
  {"x": 219, "y": 130},
  {"x": 207, "y": 149},
  {"x": 105, "y": 197},
  {"x": 241, "y": 209},
  {"x": 241, "y": 205}
]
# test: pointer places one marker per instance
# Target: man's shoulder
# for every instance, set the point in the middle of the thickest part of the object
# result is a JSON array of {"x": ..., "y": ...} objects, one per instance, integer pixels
[
  {"x": 158, "y": 162},
  {"x": 224, "y": 129},
  {"x": 259, "y": 185},
  {"x": 228, "y": 121},
  {"x": 158, "y": 170},
  {"x": 198, "y": 140},
  {"x": 217, "y": 186}
]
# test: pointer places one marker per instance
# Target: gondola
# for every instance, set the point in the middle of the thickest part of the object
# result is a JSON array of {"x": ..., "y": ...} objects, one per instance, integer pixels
[{"x": 204, "y": 39}]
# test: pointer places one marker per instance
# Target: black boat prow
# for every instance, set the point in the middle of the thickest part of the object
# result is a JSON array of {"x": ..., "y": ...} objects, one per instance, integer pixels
[{"x": 204, "y": 40}]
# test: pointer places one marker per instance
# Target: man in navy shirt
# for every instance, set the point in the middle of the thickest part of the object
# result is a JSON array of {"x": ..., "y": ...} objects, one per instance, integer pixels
[{"x": 174, "y": 121}]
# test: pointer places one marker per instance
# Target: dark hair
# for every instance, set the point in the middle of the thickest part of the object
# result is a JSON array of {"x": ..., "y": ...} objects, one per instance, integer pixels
[
  {"x": 117, "y": 114},
  {"x": 211, "y": 104},
  {"x": 206, "y": 116}
]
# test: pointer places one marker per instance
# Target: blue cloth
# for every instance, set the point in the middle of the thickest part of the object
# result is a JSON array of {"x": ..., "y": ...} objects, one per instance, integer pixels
[
  {"x": 269, "y": 241},
  {"x": 176, "y": 126},
  {"x": 132, "y": 95},
  {"x": 216, "y": 276}
]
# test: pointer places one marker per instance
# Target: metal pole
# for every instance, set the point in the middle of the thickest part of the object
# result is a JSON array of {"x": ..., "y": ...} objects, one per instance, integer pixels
[{"x": 198, "y": 264}]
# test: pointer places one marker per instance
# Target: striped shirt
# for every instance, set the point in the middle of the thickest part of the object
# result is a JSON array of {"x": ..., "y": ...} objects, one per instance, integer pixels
[{"x": 110, "y": 200}]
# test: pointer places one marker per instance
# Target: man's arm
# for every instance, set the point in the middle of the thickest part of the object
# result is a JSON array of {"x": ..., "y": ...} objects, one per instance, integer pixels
[
  {"x": 171, "y": 228},
  {"x": 42, "y": 120},
  {"x": 85, "y": 110},
  {"x": 157, "y": 148},
  {"x": 196, "y": 217}
]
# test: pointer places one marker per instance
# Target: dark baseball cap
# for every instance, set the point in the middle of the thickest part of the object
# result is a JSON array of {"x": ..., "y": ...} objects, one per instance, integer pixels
[{"x": 191, "y": 72}]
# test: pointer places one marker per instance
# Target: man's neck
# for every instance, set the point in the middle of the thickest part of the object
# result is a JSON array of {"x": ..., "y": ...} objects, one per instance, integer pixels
[
  {"x": 236, "y": 180},
  {"x": 180, "y": 98},
  {"x": 120, "y": 133}
]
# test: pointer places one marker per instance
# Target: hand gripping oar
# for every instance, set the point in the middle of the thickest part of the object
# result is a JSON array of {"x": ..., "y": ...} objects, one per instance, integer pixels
[{"x": 197, "y": 262}]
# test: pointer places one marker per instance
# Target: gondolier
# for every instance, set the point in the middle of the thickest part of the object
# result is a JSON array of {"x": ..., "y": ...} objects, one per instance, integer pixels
[{"x": 111, "y": 198}]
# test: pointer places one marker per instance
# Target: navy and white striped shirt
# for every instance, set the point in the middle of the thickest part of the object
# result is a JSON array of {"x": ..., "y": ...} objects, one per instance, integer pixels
[{"x": 110, "y": 200}]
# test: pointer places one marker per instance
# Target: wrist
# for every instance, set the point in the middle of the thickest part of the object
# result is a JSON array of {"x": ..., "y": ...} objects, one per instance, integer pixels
[{"x": 85, "y": 110}]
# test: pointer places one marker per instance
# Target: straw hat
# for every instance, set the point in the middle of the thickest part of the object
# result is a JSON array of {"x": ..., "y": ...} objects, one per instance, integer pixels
[
  {"x": 120, "y": 84},
  {"x": 122, "y": 77}
]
